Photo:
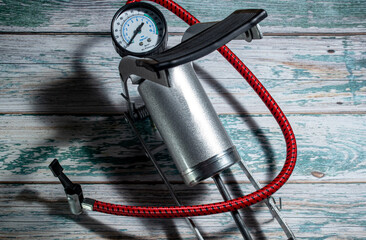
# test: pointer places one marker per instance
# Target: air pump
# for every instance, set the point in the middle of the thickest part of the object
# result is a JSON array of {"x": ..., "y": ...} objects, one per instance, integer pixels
[{"x": 180, "y": 109}]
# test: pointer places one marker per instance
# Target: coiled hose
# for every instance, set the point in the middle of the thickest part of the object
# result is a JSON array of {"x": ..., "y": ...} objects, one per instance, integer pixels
[{"x": 234, "y": 204}]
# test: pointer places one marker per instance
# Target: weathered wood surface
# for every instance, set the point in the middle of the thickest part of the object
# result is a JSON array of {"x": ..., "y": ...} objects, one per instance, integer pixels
[
  {"x": 59, "y": 97},
  {"x": 104, "y": 149},
  {"x": 287, "y": 16},
  {"x": 303, "y": 206},
  {"x": 75, "y": 74}
]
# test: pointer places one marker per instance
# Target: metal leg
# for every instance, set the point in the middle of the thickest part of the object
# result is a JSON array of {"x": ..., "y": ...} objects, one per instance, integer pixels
[
  {"x": 150, "y": 155},
  {"x": 235, "y": 214},
  {"x": 272, "y": 207}
]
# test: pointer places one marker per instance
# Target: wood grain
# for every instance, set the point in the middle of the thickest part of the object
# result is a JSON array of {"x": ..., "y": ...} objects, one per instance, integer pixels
[
  {"x": 104, "y": 149},
  {"x": 305, "y": 206},
  {"x": 59, "y": 97},
  {"x": 78, "y": 74},
  {"x": 85, "y": 16}
]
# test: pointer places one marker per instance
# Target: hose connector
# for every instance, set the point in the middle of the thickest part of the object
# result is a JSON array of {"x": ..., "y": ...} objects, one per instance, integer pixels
[{"x": 73, "y": 191}]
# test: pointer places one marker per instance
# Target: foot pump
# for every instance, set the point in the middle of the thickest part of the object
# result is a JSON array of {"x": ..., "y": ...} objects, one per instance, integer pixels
[{"x": 179, "y": 107}]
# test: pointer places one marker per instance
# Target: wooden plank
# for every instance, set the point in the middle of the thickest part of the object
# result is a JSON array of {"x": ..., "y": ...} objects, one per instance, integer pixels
[
  {"x": 57, "y": 58},
  {"x": 327, "y": 214},
  {"x": 104, "y": 149},
  {"x": 79, "y": 75},
  {"x": 315, "y": 51},
  {"x": 84, "y": 16},
  {"x": 62, "y": 92}
]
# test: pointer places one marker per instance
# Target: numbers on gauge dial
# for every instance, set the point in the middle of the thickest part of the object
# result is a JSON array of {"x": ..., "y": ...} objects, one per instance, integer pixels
[{"x": 138, "y": 30}]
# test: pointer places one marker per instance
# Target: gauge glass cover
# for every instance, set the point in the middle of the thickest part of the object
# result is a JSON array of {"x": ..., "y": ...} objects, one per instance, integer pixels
[{"x": 138, "y": 30}]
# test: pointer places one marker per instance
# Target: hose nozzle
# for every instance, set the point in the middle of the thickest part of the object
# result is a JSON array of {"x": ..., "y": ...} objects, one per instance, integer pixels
[{"x": 73, "y": 191}]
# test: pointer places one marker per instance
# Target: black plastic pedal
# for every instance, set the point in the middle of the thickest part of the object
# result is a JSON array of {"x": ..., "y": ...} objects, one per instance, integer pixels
[{"x": 206, "y": 41}]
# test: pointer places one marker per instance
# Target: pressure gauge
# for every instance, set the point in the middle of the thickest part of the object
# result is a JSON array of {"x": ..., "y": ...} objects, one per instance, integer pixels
[{"x": 139, "y": 29}]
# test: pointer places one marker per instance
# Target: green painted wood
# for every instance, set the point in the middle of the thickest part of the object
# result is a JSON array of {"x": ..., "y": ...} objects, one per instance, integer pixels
[
  {"x": 93, "y": 148},
  {"x": 98, "y": 92},
  {"x": 79, "y": 75},
  {"x": 314, "y": 211},
  {"x": 322, "y": 57},
  {"x": 312, "y": 60},
  {"x": 85, "y": 16}
]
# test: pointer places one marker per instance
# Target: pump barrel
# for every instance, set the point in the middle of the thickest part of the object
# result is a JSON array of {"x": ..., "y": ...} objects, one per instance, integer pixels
[{"x": 189, "y": 125}]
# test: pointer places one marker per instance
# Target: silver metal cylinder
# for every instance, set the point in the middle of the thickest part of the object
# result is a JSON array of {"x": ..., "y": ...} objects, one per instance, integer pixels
[{"x": 189, "y": 125}]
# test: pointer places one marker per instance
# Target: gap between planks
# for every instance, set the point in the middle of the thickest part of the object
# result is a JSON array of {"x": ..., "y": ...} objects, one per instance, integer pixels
[
  {"x": 272, "y": 34},
  {"x": 101, "y": 114},
  {"x": 181, "y": 182}
]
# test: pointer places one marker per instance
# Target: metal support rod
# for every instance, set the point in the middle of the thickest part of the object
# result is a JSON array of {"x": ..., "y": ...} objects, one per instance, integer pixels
[
  {"x": 189, "y": 221},
  {"x": 235, "y": 214},
  {"x": 271, "y": 206}
]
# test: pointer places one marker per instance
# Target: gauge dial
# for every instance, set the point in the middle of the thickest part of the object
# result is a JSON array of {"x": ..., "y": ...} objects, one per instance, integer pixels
[{"x": 138, "y": 29}]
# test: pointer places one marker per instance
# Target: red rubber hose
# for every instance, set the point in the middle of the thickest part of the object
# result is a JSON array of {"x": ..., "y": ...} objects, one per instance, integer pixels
[{"x": 234, "y": 204}]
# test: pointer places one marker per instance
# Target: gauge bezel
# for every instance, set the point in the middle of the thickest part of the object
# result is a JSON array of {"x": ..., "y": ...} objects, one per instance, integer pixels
[{"x": 162, "y": 42}]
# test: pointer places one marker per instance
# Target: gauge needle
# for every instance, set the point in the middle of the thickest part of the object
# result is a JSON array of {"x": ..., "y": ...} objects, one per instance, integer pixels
[{"x": 138, "y": 29}]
